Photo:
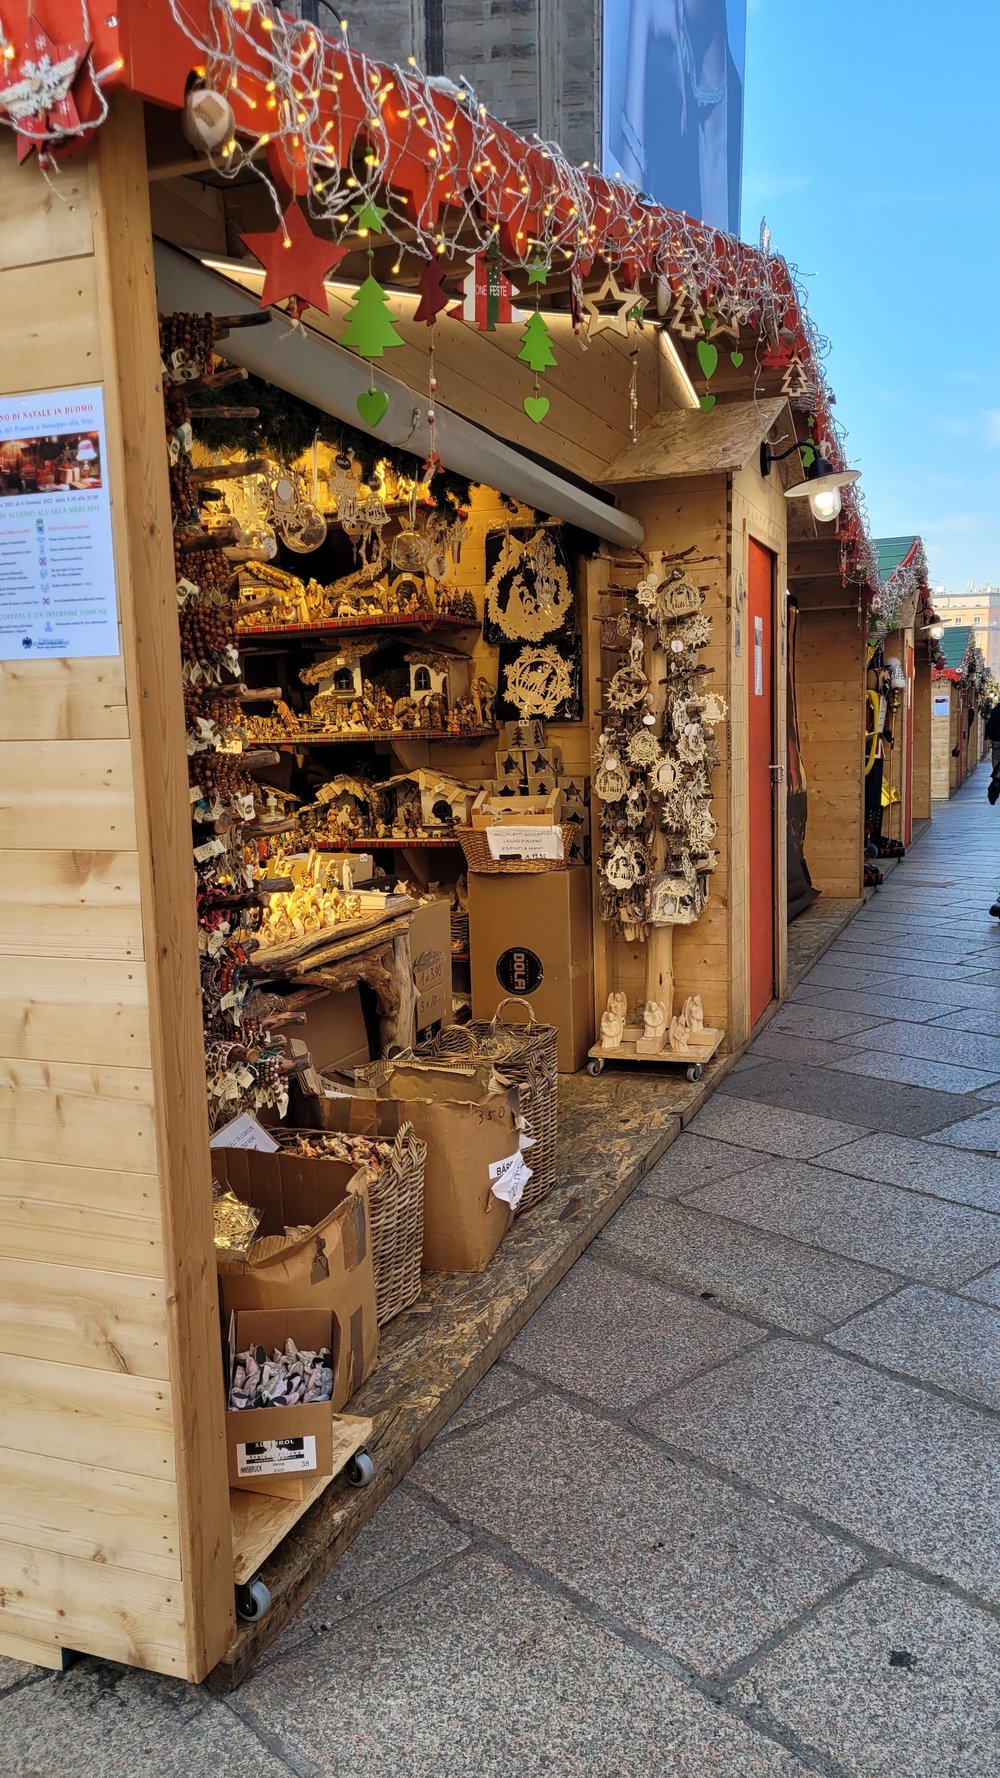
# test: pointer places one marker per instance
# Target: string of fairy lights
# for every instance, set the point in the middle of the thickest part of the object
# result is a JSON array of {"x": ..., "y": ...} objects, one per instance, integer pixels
[{"x": 314, "y": 117}]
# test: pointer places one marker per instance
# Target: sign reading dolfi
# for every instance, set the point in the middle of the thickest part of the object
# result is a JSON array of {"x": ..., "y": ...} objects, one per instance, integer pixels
[
  {"x": 519, "y": 970},
  {"x": 57, "y": 571}
]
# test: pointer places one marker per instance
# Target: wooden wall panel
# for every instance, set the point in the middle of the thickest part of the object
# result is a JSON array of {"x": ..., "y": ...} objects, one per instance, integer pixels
[
  {"x": 80, "y": 790},
  {"x": 942, "y": 728},
  {"x": 75, "y": 1009},
  {"x": 99, "y": 1446},
  {"x": 70, "y": 904},
  {"x": 62, "y": 700},
  {"x": 831, "y": 722}
]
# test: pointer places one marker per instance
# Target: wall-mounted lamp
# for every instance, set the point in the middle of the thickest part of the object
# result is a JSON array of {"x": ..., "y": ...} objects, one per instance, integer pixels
[
  {"x": 934, "y": 631},
  {"x": 822, "y": 484}
]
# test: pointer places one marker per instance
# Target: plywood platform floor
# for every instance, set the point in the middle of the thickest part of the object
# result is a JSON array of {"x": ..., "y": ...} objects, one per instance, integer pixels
[{"x": 612, "y": 1130}]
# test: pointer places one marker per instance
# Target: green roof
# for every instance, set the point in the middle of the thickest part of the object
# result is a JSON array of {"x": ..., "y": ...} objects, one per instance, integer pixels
[
  {"x": 954, "y": 644},
  {"x": 892, "y": 553}
]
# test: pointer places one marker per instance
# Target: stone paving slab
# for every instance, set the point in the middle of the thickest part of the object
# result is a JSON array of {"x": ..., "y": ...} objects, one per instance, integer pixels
[
  {"x": 814, "y": 1052},
  {"x": 407, "y": 1540},
  {"x": 738, "y": 1120},
  {"x": 617, "y": 1341},
  {"x": 885, "y": 1006},
  {"x": 913, "y": 1475},
  {"x": 876, "y": 1104},
  {"x": 966, "y": 1048},
  {"x": 972, "y": 1018},
  {"x": 106, "y": 1721},
  {"x": 921, "y": 1166},
  {"x": 895, "y": 1679},
  {"x": 936, "y": 1338},
  {"x": 773, "y": 1279},
  {"x": 694, "y": 1160},
  {"x": 820, "y": 1022},
  {"x": 986, "y": 1288},
  {"x": 881, "y": 1225},
  {"x": 982, "y": 1133},
  {"x": 501, "y": 1387},
  {"x": 628, "y": 1527},
  {"x": 917, "y": 1071},
  {"x": 484, "y": 1673}
]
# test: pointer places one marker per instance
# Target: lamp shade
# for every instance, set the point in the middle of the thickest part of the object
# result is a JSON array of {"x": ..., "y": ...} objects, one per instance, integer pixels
[
  {"x": 822, "y": 488},
  {"x": 86, "y": 451}
]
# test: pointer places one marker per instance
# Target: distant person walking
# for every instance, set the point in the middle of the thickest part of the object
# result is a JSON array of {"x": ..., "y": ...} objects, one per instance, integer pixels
[{"x": 992, "y": 734}]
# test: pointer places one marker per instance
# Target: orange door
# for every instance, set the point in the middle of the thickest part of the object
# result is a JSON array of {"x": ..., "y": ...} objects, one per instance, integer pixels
[{"x": 760, "y": 697}]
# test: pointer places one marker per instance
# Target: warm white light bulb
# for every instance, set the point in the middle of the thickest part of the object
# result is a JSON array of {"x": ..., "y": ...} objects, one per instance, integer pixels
[{"x": 824, "y": 504}]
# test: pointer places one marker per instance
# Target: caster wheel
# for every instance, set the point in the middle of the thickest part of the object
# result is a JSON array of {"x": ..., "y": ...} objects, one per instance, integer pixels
[
  {"x": 360, "y": 1470},
  {"x": 595, "y": 1067},
  {"x": 253, "y": 1600},
  {"x": 695, "y": 1071}
]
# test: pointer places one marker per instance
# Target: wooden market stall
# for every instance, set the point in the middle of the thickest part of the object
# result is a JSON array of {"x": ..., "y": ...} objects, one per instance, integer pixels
[{"x": 119, "y": 1535}]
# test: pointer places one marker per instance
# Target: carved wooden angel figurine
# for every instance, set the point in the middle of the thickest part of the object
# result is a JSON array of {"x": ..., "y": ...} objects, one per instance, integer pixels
[
  {"x": 654, "y": 1025},
  {"x": 613, "y": 1022}
]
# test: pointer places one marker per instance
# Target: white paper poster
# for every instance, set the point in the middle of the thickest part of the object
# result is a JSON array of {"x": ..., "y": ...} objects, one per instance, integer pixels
[
  {"x": 525, "y": 842},
  {"x": 57, "y": 570},
  {"x": 758, "y": 657},
  {"x": 942, "y": 705}
]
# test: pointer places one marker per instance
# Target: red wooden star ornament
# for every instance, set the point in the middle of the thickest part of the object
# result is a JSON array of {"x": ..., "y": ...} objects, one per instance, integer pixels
[
  {"x": 296, "y": 262},
  {"x": 38, "y": 96}
]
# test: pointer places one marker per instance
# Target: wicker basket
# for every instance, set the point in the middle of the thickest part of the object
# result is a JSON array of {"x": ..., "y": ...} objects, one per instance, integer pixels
[
  {"x": 525, "y": 1055},
  {"x": 396, "y": 1196},
  {"x": 478, "y": 857},
  {"x": 396, "y": 1206}
]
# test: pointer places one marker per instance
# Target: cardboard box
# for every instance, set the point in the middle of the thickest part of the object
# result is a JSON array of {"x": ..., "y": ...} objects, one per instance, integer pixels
[
  {"x": 470, "y": 1126},
  {"x": 430, "y": 949},
  {"x": 531, "y": 937},
  {"x": 335, "y": 1031},
  {"x": 492, "y": 809},
  {"x": 280, "y": 1451},
  {"x": 329, "y": 1268}
]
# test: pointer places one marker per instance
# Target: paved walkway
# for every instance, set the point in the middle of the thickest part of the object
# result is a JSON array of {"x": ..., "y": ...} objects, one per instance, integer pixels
[{"x": 730, "y": 1506}]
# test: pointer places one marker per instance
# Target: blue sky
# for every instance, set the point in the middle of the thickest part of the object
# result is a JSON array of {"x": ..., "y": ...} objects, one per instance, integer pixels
[{"x": 871, "y": 146}]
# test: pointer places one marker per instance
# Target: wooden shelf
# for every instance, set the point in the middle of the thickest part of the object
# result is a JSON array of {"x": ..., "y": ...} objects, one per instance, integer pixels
[
  {"x": 260, "y": 1521},
  {"x": 383, "y": 734},
  {"x": 351, "y": 626},
  {"x": 384, "y": 845}
]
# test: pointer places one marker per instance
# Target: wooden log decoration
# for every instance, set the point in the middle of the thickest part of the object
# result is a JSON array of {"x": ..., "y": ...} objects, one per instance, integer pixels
[
  {"x": 217, "y": 379},
  {"x": 374, "y": 968},
  {"x": 227, "y": 472},
  {"x": 399, "y": 1027},
  {"x": 224, "y": 413}
]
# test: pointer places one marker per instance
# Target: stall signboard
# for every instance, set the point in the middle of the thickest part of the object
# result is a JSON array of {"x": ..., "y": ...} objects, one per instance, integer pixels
[
  {"x": 57, "y": 571},
  {"x": 672, "y": 102}
]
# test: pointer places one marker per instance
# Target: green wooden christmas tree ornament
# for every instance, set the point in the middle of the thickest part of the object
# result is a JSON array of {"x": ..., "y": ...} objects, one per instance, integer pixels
[
  {"x": 370, "y": 329},
  {"x": 536, "y": 350}
]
